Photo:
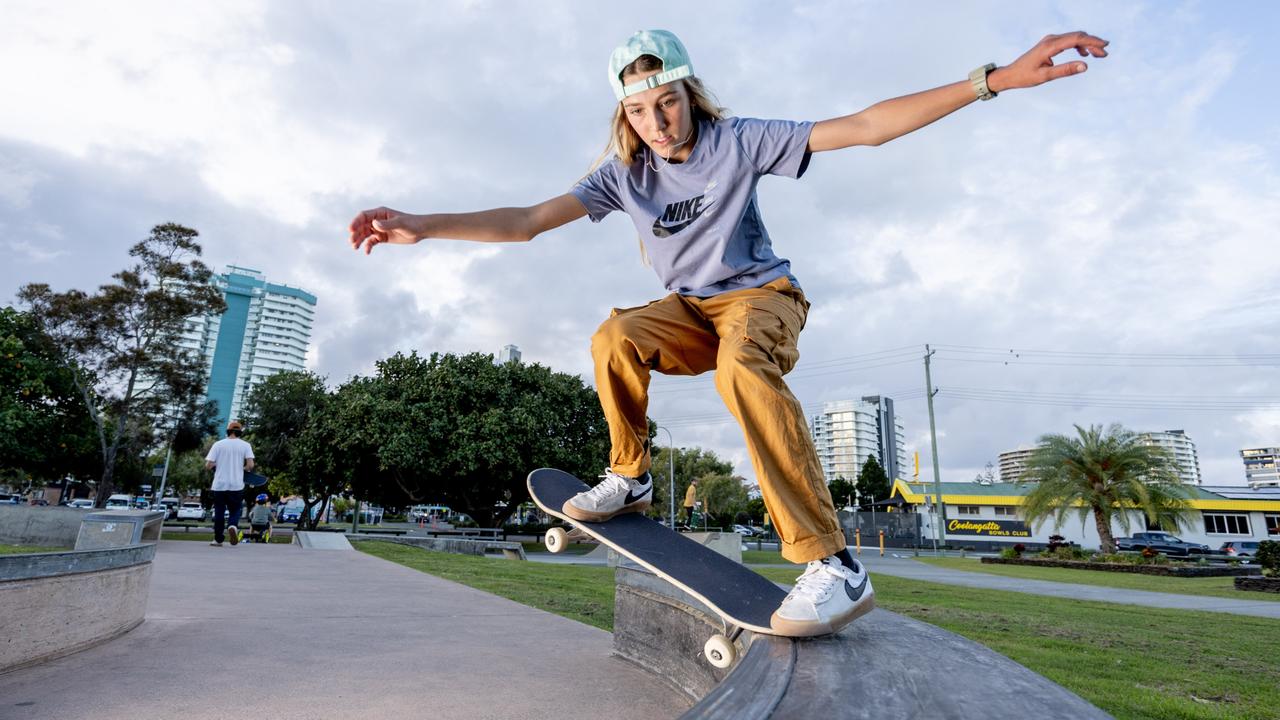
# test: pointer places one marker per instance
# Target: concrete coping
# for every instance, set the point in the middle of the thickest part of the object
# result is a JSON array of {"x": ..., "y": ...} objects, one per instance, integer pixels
[
  {"x": 882, "y": 665},
  {"x": 28, "y": 566}
]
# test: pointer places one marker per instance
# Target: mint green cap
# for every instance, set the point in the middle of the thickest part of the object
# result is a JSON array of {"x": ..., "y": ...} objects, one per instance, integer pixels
[{"x": 661, "y": 44}]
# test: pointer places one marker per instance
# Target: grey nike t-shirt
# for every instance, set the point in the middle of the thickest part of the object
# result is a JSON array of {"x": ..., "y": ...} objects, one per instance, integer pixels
[{"x": 699, "y": 220}]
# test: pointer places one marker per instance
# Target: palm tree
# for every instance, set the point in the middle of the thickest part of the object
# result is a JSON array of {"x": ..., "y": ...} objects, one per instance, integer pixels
[{"x": 1107, "y": 473}]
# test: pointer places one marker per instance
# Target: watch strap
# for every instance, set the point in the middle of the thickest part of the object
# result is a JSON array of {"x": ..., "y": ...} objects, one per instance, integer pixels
[{"x": 979, "y": 80}]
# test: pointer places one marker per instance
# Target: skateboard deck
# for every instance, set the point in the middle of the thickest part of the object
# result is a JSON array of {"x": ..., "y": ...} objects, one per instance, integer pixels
[
  {"x": 739, "y": 596},
  {"x": 252, "y": 479}
]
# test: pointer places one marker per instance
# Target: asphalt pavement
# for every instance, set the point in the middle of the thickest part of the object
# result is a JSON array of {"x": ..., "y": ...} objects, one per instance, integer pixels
[{"x": 275, "y": 631}]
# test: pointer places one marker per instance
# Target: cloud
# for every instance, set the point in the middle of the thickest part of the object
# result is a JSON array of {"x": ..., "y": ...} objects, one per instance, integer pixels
[{"x": 1128, "y": 210}]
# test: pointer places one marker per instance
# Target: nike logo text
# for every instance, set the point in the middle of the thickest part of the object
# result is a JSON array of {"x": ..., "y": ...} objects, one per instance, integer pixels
[{"x": 678, "y": 216}]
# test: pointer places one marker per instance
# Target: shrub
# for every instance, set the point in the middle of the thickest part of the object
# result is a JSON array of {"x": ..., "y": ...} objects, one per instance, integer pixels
[
  {"x": 1019, "y": 549},
  {"x": 1057, "y": 541},
  {"x": 1010, "y": 553},
  {"x": 1069, "y": 552},
  {"x": 1269, "y": 557}
]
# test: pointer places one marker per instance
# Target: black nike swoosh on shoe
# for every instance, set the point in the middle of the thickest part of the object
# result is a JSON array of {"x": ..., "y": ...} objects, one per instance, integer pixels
[
  {"x": 855, "y": 594},
  {"x": 631, "y": 497},
  {"x": 662, "y": 231}
]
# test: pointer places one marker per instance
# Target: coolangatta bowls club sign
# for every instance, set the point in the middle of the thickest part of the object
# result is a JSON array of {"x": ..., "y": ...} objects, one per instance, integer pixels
[{"x": 989, "y": 528}]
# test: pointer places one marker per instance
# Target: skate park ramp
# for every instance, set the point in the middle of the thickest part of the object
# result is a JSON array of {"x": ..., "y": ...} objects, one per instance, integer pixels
[
  {"x": 884, "y": 665},
  {"x": 321, "y": 540}
]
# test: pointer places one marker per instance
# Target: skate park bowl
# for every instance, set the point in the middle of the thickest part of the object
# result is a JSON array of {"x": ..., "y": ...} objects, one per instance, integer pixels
[
  {"x": 883, "y": 665},
  {"x": 100, "y": 587}
]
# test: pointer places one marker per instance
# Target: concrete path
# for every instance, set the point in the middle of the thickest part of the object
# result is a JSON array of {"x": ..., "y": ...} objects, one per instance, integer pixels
[
  {"x": 908, "y": 568},
  {"x": 275, "y": 631}
]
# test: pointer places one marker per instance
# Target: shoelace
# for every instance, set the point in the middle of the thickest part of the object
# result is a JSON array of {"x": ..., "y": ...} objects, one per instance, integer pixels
[
  {"x": 611, "y": 485},
  {"x": 817, "y": 583}
]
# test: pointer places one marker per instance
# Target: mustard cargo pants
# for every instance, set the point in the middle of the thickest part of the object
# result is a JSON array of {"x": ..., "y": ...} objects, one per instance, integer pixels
[{"x": 749, "y": 338}]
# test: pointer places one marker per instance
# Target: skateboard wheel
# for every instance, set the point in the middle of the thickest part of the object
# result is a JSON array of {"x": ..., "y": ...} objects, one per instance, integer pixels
[
  {"x": 556, "y": 540},
  {"x": 719, "y": 651}
]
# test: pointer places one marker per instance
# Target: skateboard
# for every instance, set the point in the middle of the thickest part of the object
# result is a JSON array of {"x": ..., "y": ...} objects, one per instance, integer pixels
[
  {"x": 742, "y": 599},
  {"x": 253, "y": 479}
]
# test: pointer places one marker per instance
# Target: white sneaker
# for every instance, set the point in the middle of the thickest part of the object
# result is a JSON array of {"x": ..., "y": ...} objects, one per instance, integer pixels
[
  {"x": 215, "y": 543},
  {"x": 614, "y": 495},
  {"x": 825, "y": 598}
]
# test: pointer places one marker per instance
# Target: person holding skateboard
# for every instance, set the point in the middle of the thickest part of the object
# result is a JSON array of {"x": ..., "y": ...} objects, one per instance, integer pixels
[
  {"x": 229, "y": 458},
  {"x": 686, "y": 174}
]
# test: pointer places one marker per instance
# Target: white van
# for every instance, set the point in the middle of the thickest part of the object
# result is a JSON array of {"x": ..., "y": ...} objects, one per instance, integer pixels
[{"x": 119, "y": 502}]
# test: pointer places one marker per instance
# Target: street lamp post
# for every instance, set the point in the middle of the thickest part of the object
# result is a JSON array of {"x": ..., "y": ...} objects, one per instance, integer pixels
[{"x": 671, "y": 477}]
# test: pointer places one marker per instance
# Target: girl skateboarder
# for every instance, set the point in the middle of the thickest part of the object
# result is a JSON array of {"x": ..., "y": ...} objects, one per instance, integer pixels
[{"x": 686, "y": 175}]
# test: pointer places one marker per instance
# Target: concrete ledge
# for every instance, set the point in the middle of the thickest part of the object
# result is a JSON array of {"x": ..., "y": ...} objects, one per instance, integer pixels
[
  {"x": 882, "y": 666},
  {"x": 70, "y": 601},
  {"x": 45, "y": 526},
  {"x": 458, "y": 546}
]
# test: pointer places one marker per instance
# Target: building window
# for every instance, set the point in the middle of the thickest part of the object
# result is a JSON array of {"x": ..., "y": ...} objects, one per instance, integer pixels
[
  {"x": 967, "y": 510},
  {"x": 1218, "y": 524},
  {"x": 1273, "y": 524},
  {"x": 1006, "y": 511}
]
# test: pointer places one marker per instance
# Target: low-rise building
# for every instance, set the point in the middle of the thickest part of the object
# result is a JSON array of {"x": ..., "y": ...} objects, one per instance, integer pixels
[{"x": 987, "y": 515}]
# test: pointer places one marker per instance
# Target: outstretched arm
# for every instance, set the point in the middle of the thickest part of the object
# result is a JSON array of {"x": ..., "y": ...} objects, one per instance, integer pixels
[
  {"x": 384, "y": 225},
  {"x": 894, "y": 118}
]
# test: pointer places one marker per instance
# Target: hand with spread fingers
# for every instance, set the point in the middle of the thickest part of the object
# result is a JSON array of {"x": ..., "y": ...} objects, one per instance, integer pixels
[
  {"x": 1036, "y": 66},
  {"x": 383, "y": 225}
]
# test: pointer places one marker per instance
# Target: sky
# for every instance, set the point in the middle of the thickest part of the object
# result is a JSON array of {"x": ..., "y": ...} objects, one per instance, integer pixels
[{"x": 1098, "y": 250}]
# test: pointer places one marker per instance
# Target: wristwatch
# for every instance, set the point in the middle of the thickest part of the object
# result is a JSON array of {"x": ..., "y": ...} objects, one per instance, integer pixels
[{"x": 979, "y": 79}]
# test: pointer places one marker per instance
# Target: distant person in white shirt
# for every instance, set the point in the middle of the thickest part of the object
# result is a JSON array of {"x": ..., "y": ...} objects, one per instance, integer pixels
[{"x": 229, "y": 458}]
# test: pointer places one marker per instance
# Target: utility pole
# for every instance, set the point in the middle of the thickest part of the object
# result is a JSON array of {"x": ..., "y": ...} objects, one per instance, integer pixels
[
  {"x": 671, "y": 476},
  {"x": 939, "y": 506}
]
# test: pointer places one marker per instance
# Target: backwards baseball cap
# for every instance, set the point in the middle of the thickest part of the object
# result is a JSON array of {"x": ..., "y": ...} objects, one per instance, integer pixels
[
  {"x": 661, "y": 44},
  {"x": 234, "y": 425}
]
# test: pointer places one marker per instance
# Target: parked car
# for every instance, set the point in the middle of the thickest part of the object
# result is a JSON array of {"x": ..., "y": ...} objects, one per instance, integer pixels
[
  {"x": 1240, "y": 548},
  {"x": 86, "y": 503},
  {"x": 170, "y": 506},
  {"x": 290, "y": 512},
  {"x": 1161, "y": 542},
  {"x": 119, "y": 502},
  {"x": 743, "y": 530},
  {"x": 191, "y": 511}
]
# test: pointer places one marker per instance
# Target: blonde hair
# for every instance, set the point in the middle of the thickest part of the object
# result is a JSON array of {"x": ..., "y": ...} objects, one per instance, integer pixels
[
  {"x": 623, "y": 140},
  {"x": 627, "y": 145}
]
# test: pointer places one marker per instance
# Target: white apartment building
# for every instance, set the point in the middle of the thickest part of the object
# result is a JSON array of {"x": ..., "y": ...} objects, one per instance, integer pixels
[
  {"x": 1183, "y": 450},
  {"x": 265, "y": 329},
  {"x": 847, "y": 432},
  {"x": 1261, "y": 467},
  {"x": 1013, "y": 463}
]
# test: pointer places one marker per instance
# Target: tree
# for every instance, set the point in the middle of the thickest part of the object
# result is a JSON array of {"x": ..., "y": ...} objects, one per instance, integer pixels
[
  {"x": 122, "y": 343},
  {"x": 464, "y": 432},
  {"x": 987, "y": 476},
  {"x": 45, "y": 429},
  {"x": 690, "y": 463},
  {"x": 1106, "y": 474},
  {"x": 873, "y": 484},
  {"x": 295, "y": 442},
  {"x": 841, "y": 491},
  {"x": 722, "y": 495}
]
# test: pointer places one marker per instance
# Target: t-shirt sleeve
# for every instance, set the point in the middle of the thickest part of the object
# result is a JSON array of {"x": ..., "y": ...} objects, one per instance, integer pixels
[
  {"x": 248, "y": 451},
  {"x": 776, "y": 147},
  {"x": 213, "y": 453},
  {"x": 599, "y": 192}
]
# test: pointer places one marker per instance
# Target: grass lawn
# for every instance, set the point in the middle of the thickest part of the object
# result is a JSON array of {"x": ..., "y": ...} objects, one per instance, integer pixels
[
  {"x": 1211, "y": 586},
  {"x": 28, "y": 549},
  {"x": 1133, "y": 662},
  {"x": 579, "y": 592}
]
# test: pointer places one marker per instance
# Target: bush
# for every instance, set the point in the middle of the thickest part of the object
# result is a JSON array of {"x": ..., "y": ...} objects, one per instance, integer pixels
[
  {"x": 1018, "y": 549},
  {"x": 1269, "y": 557},
  {"x": 1010, "y": 553}
]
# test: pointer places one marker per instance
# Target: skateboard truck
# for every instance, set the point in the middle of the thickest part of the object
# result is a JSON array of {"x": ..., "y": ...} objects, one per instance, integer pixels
[{"x": 719, "y": 650}]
